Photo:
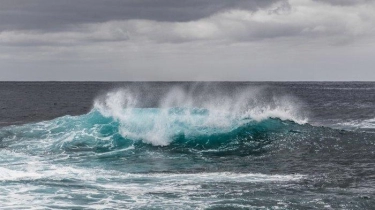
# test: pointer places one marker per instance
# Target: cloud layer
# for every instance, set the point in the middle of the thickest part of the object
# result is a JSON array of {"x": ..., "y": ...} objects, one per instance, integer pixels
[
  {"x": 54, "y": 15},
  {"x": 41, "y": 32}
]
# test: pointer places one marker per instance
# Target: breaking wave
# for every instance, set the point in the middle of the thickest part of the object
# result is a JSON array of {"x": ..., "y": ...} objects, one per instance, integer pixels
[
  {"x": 181, "y": 118},
  {"x": 186, "y": 115}
]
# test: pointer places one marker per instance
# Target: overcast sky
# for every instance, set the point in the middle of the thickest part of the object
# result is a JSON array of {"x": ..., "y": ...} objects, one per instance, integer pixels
[{"x": 153, "y": 40}]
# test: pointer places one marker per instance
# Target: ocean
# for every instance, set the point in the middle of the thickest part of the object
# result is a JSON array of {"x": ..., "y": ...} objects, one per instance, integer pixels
[{"x": 187, "y": 145}]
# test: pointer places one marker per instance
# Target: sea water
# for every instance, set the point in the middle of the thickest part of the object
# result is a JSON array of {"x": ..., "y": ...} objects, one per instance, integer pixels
[{"x": 187, "y": 145}]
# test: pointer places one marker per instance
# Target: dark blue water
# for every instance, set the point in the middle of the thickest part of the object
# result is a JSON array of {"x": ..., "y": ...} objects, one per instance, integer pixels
[{"x": 187, "y": 145}]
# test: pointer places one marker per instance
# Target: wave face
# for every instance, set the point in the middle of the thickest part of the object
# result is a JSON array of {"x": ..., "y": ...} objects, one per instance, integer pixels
[
  {"x": 196, "y": 147},
  {"x": 172, "y": 128},
  {"x": 184, "y": 120},
  {"x": 181, "y": 119}
]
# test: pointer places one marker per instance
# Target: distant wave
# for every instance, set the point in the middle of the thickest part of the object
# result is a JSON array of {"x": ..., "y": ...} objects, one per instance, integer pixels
[{"x": 358, "y": 124}]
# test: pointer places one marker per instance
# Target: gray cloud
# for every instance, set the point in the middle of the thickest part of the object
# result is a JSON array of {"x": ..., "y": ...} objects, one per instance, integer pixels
[
  {"x": 56, "y": 15},
  {"x": 298, "y": 19},
  {"x": 345, "y": 2}
]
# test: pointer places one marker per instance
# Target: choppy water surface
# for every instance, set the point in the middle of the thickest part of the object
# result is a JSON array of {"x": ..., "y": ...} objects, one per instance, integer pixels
[{"x": 187, "y": 145}]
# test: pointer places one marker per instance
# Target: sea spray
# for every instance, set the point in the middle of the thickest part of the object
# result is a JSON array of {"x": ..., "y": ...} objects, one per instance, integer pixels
[{"x": 194, "y": 113}]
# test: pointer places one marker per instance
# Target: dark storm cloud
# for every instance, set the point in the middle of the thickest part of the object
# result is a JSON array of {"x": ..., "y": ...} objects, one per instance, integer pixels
[{"x": 56, "y": 15}]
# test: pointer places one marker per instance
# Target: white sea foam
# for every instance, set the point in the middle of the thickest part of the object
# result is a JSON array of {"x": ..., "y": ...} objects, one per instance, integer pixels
[
  {"x": 133, "y": 189},
  {"x": 217, "y": 177},
  {"x": 8, "y": 174},
  {"x": 38, "y": 170},
  {"x": 136, "y": 189}
]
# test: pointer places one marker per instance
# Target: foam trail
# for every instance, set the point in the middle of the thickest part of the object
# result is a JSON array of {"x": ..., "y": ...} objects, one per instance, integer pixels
[{"x": 57, "y": 172}]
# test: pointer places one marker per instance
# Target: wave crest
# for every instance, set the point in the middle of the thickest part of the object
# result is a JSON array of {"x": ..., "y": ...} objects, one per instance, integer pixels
[{"x": 191, "y": 113}]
